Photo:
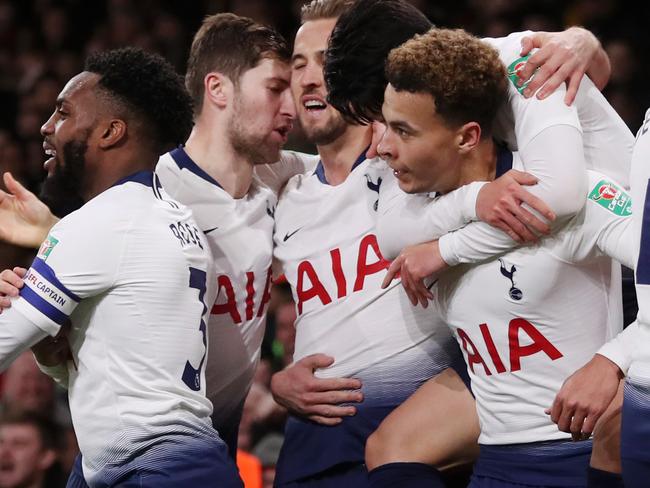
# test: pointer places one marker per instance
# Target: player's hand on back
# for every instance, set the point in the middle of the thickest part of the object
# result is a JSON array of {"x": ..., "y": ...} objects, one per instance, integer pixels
[
  {"x": 11, "y": 281},
  {"x": 318, "y": 399},
  {"x": 24, "y": 219},
  {"x": 499, "y": 204},
  {"x": 562, "y": 56},
  {"x": 585, "y": 395},
  {"x": 414, "y": 264}
]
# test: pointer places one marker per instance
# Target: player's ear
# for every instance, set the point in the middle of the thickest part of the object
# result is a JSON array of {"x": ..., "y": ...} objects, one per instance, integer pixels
[
  {"x": 112, "y": 133},
  {"x": 217, "y": 89},
  {"x": 468, "y": 137}
]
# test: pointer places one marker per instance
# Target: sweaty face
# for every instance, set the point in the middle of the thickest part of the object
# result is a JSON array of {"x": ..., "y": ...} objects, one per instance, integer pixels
[
  {"x": 321, "y": 122},
  {"x": 21, "y": 455},
  {"x": 417, "y": 145},
  {"x": 65, "y": 141},
  {"x": 263, "y": 112}
]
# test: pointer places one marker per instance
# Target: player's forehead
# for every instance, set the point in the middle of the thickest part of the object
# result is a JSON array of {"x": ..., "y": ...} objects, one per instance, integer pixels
[
  {"x": 313, "y": 36},
  {"x": 78, "y": 88},
  {"x": 415, "y": 109},
  {"x": 267, "y": 70}
]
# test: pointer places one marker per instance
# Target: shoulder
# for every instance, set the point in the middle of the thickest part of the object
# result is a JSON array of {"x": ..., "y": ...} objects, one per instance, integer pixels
[{"x": 509, "y": 47}]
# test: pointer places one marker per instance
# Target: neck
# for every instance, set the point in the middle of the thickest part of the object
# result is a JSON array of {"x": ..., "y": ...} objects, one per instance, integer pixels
[
  {"x": 37, "y": 482},
  {"x": 210, "y": 149},
  {"x": 339, "y": 156},
  {"x": 116, "y": 167},
  {"x": 480, "y": 164}
]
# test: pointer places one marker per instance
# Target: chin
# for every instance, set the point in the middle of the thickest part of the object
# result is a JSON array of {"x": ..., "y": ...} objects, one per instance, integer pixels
[{"x": 406, "y": 186}]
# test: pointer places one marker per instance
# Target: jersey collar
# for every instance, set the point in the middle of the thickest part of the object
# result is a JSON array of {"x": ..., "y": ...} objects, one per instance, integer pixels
[
  {"x": 504, "y": 160},
  {"x": 143, "y": 177},
  {"x": 320, "y": 170},
  {"x": 184, "y": 161}
]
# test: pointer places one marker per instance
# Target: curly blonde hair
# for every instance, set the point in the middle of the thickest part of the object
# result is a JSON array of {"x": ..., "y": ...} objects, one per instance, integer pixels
[{"x": 463, "y": 74}]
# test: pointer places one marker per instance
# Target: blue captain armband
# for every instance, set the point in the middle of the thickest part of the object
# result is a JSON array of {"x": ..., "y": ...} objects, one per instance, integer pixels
[{"x": 46, "y": 295}]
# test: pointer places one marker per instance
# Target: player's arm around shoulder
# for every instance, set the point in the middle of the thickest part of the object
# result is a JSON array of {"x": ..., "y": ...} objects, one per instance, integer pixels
[{"x": 405, "y": 220}]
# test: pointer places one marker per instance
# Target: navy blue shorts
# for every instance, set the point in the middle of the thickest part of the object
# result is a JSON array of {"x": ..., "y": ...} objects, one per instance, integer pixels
[
  {"x": 169, "y": 464},
  {"x": 635, "y": 436},
  {"x": 540, "y": 465},
  {"x": 353, "y": 475}
]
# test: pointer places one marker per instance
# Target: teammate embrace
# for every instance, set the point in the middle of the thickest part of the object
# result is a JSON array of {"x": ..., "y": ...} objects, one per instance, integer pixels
[{"x": 378, "y": 382}]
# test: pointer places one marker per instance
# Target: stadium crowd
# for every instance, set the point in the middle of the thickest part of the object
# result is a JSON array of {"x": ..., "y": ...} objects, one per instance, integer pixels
[{"x": 43, "y": 43}]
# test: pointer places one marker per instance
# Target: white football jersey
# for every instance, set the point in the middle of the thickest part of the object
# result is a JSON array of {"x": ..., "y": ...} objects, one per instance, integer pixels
[
  {"x": 527, "y": 320},
  {"x": 240, "y": 235},
  {"x": 325, "y": 238},
  {"x": 129, "y": 270}
]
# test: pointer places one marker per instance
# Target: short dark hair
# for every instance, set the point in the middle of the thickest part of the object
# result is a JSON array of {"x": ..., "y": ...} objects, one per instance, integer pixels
[
  {"x": 149, "y": 90},
  {"x": 231, "y": 45},
  {"x": 463, "y": 74},
  {"x": 324, "y": 9},
  {"x": 357, "y": 52},
  {"x": 48, "y": 431}
]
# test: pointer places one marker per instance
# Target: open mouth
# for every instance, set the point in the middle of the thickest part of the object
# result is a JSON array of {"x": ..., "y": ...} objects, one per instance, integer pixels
[
  {"x": 283, "y": 132},
  {"x": 399, "y": 172},
  {"x": 50, "y": 152},
  {"x": 313, "y": 104}
]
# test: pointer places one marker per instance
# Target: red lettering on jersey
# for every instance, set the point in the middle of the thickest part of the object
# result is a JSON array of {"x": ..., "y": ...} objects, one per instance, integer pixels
[
  {"x": 337, "y": 270},
  {"x": 317, "y": 289},
  {"x": 473, "y": 356},
  {"x": 231, "y": 304},
  {"x": 267, "y": 294},
  {"x": 363, "y": 268},
  {"x": 250, "y": 294},
  {"x": 540, "y": 343},
  {"x": 492, "y": 350}
]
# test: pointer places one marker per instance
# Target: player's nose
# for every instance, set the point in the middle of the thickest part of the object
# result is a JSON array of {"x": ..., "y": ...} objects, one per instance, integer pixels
[
  {"x": 312, "y": 75},
  {"x": 386, "y": 148},
  {"x": 48, "y": 127}
]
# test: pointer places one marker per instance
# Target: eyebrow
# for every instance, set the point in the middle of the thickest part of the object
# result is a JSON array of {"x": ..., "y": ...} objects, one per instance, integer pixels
[
  {"x": 321, "y": 53},
  {"x": 401, "y": 124},
  {"x": 278, "y": 79}
]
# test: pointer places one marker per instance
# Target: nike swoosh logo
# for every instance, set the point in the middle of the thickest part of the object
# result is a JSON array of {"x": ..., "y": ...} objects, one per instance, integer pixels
[
  {"x": 210, "y": 230},
  {"x": 288, "y": 236}
]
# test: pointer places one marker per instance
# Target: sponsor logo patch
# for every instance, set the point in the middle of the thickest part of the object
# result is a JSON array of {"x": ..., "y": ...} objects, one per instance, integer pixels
[
  {"x": 46, "y": 248},
  {"x": 514, "y": 69},
  {"x": 612, "y": 197}
]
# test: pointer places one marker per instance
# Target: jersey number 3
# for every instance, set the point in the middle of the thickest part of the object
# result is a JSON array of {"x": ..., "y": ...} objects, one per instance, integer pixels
[{"x": 191, "y": 375}]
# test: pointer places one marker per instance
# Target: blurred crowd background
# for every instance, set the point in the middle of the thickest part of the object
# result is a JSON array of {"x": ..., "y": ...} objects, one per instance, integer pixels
[{"x": 44, "y": 42}]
